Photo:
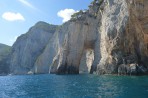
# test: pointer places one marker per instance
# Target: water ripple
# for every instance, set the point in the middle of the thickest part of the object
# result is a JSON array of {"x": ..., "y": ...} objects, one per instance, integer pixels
[{"x": 73, "y": 86}]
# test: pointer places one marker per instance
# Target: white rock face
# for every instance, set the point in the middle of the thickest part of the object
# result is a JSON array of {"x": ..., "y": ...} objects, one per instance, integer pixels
[
  {"x": 65, "y": 50},
  {"x": 79, "y": 45},
  {"x": 114, "y": 20},
  {"x": 100, "y": 40},
  {"x": 104, "y": 37},
  {"x": 29, "y": 46}
]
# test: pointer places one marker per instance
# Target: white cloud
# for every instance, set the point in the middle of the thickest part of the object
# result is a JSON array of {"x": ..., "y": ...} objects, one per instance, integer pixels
[
  {"x": 66, "y": 14},
  {"x": 25, "y": 2},
  {"x": 13, "y": 40},
  {"x": 10, "y": 16}
]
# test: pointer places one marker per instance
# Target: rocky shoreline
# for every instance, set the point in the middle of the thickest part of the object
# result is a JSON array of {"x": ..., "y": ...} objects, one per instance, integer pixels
[{"x": 111, "y": 37}]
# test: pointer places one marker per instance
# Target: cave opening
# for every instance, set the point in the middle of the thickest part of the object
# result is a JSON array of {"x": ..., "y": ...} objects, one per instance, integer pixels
[{"x": 86, "y": 61}]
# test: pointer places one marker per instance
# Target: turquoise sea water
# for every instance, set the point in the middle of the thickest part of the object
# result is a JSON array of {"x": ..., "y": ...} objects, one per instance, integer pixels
[{"x": 73, "y": 86}]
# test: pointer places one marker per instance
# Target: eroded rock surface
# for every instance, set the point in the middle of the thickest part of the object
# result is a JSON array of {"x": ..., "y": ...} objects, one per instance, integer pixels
[
  {"x": 29, "y": 46},
  {"x": 108, "y": 38}
]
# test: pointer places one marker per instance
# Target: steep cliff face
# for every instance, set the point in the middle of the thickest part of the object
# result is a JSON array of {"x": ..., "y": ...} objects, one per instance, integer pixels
[
  {"x": 108, "y": 38},
  {"x": 4, "y": 59},
  {"x": 29, "y": 46},
  {"x": 124, "y": 23},
  {"x": 114, "y": 20},
  {"x": 136, "y": 38},
  {"x": 70, "y": 45},
  {"x": 89, "y": 40}
]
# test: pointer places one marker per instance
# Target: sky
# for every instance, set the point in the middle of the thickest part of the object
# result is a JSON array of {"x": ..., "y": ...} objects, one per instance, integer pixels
[{"x": 17, "y": 16}]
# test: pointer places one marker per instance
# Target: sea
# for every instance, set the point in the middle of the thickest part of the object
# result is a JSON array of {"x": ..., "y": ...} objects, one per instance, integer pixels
[{"x": 73, "y": 86}]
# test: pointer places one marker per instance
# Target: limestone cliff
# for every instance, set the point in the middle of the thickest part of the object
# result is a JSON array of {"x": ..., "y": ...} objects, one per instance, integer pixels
[
  {"x": 29, "y": 46},
  {"x": 64, "y": 52},
  {"x": 108, "y": 38},
  {"x": 88, "y": 40}
]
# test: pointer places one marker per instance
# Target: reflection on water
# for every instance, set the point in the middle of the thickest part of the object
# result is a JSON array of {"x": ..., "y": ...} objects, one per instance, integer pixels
[{"x": 73, "y": 86}]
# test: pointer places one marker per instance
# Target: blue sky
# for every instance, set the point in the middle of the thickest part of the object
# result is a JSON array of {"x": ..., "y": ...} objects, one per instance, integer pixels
[{"x": 17, "y": 16}]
